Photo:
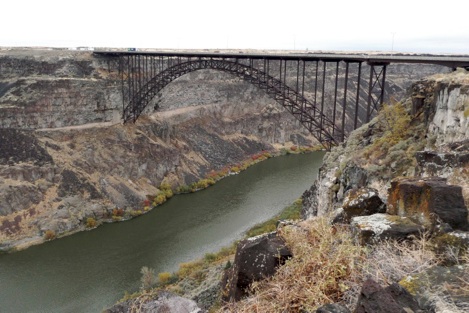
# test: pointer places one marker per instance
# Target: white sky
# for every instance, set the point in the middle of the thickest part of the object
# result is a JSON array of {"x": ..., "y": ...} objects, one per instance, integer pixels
[{"x": 416, "y": 26}]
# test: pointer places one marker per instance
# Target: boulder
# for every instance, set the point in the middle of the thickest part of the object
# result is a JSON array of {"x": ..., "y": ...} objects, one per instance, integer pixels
[
  {"x": 439, "y": 288},
  {"x": 359, "y": 202},
  {"x": 450, "y": 246},
  {"x": 371, "y": 228},
  {"x": 256, "y": 258},
  {"x": 392, "y": 299},
  {"x": 428, "y": 201},
  {"x": 354, "y": 177}
]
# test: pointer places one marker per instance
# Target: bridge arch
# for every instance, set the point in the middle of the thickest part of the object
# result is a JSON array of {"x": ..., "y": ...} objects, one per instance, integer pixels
[{"x": 318, "y": 124}]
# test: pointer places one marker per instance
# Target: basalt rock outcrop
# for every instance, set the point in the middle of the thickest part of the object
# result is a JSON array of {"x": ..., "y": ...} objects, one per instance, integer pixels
[
  {"x": 435, "y": 144},
  {"x": 359, "y": 202},
  {"x": 415, "y": 205},
  {"x": 422, "y": 178},
  {"x": 256, "y": 258},
  {"x": 428, "y": 201},
  {"x": 433, "y": 278},
  {"x": 392, "y": 299}
]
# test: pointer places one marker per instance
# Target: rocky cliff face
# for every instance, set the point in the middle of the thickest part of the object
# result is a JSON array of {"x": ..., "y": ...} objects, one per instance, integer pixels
[
  {"x": 55, "y": 179},
  {"x": 434, "y": 143},
  {"x": 65, "y": 157}
]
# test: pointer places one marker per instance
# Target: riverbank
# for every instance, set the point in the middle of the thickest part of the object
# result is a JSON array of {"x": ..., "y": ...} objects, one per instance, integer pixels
[
  {"x": 164, "y": 192},
  {"x": 200, "y": 279}
]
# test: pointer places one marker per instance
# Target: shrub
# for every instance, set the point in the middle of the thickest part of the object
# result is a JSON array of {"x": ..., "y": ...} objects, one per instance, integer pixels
[
  {"x": 118, "y": 212},
  {"x": 235, "y": 169},
  {"x": 203, "y": 183},
  {"x": 183, "y": 189},
  {"x": 148, "y": 278},
  {"x": 245, "y": 165},
  {"x": 190, "y": 269},
  {"x": 166, "y": 190},
  {"x": 135, "y": 213},
  {"x": 394, "y": 123},
  {"x": 212, "y": 174},
  {"x": 49, "y": 234},
  {"x": 227, "y": 251},
  {"x": 395, "y": 120},
  {"x": 259, "y": 157},
  {"x": 90, "y": 222},
  {"x": 168, "y": 193},
  {"x": 223, "y": 172},
  {"x": 159, "y": 199},
  {"x": 165, "y": 186},
  {"x": 210, "y": 257},
  {"x": 164, "y": 278}
]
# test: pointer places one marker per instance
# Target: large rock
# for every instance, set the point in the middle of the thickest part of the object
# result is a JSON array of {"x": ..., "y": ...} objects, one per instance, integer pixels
[
  {"x": 392, "y": 299},
  {"x": 371, "y": 228},
  {"x": 165, "y": 302},
  {"x": 360, "y": 202},
  {"x": 436, "y": 162},
  {"x": 256, "y": 258},
  {"x": 428, "y": 201},
  {"x": 440, "y": 288}
]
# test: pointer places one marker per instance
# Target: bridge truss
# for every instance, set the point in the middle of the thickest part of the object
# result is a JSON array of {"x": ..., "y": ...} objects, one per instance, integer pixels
[{"x": 301, "y": 83}]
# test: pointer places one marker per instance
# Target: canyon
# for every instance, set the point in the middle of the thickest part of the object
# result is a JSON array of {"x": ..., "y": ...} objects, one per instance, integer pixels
[{"x": 66, "y": 156}]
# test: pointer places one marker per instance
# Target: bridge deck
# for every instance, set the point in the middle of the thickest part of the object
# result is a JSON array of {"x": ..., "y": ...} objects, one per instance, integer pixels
[{"x": 452, "y": 61}]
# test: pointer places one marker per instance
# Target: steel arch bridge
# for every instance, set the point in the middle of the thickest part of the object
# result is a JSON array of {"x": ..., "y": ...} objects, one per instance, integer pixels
[{"x": 288, "y": 78}]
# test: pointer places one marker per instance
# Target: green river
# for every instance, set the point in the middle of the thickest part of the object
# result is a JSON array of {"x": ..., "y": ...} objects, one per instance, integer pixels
[{"x": 90, "y": 271}]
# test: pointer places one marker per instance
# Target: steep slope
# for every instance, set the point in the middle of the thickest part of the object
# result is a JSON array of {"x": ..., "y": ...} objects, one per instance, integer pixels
[{"x": 428, "y": 136}]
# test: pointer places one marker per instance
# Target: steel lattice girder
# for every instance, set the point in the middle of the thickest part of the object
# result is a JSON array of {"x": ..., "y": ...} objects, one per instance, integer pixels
[
  {"x": 143, "y": 77},
  {"x": 305, "y": 111}
]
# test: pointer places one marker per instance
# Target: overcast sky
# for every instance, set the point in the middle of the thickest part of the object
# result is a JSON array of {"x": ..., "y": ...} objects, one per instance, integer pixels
[{"x": 399, "y": 25}]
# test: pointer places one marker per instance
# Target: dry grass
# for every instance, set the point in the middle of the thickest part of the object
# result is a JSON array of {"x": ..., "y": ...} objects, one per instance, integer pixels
[
  {"x": 329, "y": 267},
  {"x": 325, "y": 258},
  {"x": 388, "y": 262}
]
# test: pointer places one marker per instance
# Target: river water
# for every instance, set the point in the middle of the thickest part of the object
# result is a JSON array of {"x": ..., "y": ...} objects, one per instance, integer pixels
[{"x": 90, "y": 271}]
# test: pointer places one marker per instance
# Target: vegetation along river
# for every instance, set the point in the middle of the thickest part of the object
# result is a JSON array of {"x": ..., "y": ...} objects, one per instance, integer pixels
[{"x": 90, "y": 271}]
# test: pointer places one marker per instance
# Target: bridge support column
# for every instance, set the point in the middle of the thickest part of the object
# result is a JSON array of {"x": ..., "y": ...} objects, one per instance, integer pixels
[{"x": 376, "y": 88}]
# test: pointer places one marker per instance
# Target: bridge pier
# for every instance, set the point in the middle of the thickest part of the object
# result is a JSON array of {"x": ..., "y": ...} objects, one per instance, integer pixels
[{"x": 376, "y": 88}]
